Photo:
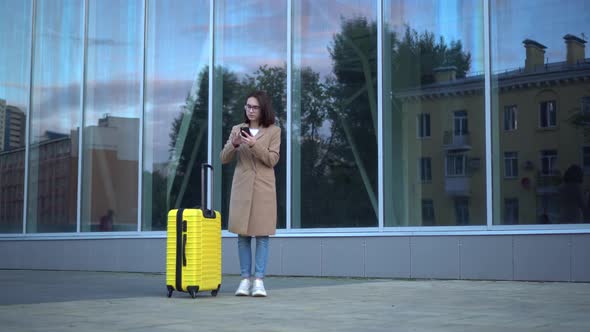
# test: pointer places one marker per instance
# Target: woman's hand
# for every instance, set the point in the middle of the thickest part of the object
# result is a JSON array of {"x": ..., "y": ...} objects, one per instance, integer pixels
[
  {"x": 235, "y": 138},
  {"x": 248, "y": 139}
]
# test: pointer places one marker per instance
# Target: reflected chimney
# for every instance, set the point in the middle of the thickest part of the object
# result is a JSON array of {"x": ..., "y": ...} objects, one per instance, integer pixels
[
  {"x": 576, "y": 52},
  {"x": 445, "y": 74},
  {"x": 535, "y": 55}
]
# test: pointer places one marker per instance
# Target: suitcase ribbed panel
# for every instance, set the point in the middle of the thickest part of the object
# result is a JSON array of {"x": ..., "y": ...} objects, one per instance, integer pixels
[{"x": 203, "y": 250}]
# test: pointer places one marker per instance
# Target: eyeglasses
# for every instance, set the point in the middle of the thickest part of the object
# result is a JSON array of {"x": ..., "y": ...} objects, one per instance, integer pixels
[{"x": 248, "y": 107}]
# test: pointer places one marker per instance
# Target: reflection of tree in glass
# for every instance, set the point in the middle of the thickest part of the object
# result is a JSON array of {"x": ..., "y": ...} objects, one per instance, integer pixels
[
  {"x": 188, "y": 140},
  {"x": 415, "y": 57},
  {"x": 580, "y": 118},
  {"x": 349, "y": 162},
  {"x": 338, "y": 120}
]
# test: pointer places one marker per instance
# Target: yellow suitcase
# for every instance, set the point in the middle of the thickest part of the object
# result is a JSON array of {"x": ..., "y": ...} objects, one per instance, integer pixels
[{"x": 193, "y": 248}]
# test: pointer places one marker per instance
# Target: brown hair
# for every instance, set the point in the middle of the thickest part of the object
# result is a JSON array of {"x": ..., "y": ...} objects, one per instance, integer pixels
[{"x": 267, "y": 115}]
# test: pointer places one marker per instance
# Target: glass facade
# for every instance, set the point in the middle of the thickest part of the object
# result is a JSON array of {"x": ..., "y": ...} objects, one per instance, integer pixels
[
  {"x": 250, "y": 53},
  {"x": 334, "y": 114},
  {"x": 15, "y": 89},
  {"x": 395, "y": 114},
  {"x": 112, "y": 109},
  {"x": 55, "y": 115},
  {"x": 175, "y": 107},
  {"x": 433, "y": 109},
  {"x": 539, "y": 73}
]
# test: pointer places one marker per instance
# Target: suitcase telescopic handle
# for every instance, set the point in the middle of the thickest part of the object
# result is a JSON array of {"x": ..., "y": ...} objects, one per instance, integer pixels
[
  {"x": 207, "y": 212},
  {"x": 184, "y": 239}
]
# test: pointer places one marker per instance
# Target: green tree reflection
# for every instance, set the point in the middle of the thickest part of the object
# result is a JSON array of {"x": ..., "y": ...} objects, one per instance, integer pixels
[{"x": 336, "y": 125}]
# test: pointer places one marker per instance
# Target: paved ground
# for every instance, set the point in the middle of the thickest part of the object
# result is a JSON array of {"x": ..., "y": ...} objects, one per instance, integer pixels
[{"x": 104, "y": 301}]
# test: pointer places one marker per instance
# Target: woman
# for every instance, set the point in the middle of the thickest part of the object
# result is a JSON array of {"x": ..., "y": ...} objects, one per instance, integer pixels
[{"x": 253, "y": 205}]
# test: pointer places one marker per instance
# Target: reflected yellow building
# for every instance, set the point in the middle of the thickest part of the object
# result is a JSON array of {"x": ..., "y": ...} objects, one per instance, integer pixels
[{"x": 538, "y": 120}]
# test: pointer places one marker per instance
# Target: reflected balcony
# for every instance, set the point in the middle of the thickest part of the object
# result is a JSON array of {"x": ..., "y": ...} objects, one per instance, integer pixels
[
  {"x": 548, "y": 183},
  {"x": 452, "y": 141},
  {"x": 458, "y": 185}
]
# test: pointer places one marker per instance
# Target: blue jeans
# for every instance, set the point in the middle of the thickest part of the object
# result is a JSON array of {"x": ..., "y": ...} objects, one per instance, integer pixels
[{"x": 245, "y": 254}]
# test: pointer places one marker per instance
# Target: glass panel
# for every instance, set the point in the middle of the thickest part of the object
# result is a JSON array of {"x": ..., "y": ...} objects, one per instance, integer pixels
[
  {"x": 176, "y": 97},
  {"x": 541, "y": 68},
  {"x": 112, "y": 107},
  {"x": 251, "y": 53},
  {"x": 334, "y": 156},
  {"x": 55, "y": 116},
  {"x": 15, "y": 33},
  {"x": 433, "y": 64}
]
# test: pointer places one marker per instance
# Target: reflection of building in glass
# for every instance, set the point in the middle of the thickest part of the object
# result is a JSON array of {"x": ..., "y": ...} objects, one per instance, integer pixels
[
  {"x": 12, "y": 127},
  {"x": 12, "y": 180},
  {"x": 12, "y": 161},
  {"x": 53, "y": 183},
  {"x": 110, "y": 177},
  {"x": 539, "y": 121}
]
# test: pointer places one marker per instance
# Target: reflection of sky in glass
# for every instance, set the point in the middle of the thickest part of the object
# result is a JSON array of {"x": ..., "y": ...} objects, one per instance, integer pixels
[
  {"x": 114, "y": 66},
  {"x": 177, "y": 51},
  {"x": 58, "y": 63},
  {"x": 544, "y": 21},
  {"x": 452, "y": 19},
  {"x": 316, "y": 23},
  {"x": 15, "y": 57},
  {"x": 252, "y": 33}
]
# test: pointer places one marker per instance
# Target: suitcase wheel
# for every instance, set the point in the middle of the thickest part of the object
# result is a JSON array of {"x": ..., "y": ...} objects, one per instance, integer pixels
[
  {"x": 170, "y": 290},
  {"x": 193, "y": 290},
  {"x": 215, "y": 291}
]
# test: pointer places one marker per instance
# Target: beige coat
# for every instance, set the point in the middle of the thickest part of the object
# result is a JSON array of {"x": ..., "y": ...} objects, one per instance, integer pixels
[{"x": 253, "y": 202}]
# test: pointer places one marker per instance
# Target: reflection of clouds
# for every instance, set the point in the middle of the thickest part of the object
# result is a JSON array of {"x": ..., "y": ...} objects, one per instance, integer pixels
[
  {"x": 57, "y": 108},
  {"x": 254, "y": 29},
  {"x": 237, "y": 65},
  {"x": 14, "y": 85},
  {"x": 199, "y": 29},
  {"x": 59, "y": 35},
  {"x": 316, "y": 25},
  {"x": 108, "y": 42}
]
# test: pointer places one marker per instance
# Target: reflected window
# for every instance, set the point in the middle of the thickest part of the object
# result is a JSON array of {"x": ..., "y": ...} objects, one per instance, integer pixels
[
  {"x": 460, "y": 123},
  {"x": 428, "y": 212},
  {"x": 547, "y": 114},
  {"x": 462, "y": 211},
  {"x": 423, "y": 125},
  {"x": 511, "y": 211},
  {"x": 586, "y": 159},
  {"x": 455, "y": 165},
  {"x": 510, "y": 119},
  {"x": 548, "y": 162},
  {"x": 548, "y": 208},
  {"x": 511, "y": 165},
  {"x": 585, "y": 107},
  {"x": 425, "y": 169}
]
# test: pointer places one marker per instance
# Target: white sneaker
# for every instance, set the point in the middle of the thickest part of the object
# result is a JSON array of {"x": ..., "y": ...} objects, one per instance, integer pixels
[
  {"x": 244, "y": 288},
  {"x": 258, "y": 288}
]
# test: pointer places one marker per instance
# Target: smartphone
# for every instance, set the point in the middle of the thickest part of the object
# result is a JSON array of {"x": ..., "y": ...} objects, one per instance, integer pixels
[{"x": 245, "y": 129}]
